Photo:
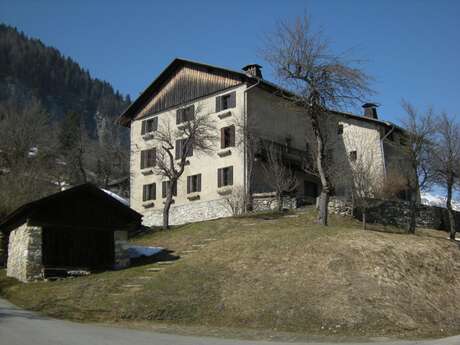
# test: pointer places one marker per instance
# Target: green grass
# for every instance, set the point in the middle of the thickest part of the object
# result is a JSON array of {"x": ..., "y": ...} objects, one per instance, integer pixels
[{"x": 284, "y": 274}]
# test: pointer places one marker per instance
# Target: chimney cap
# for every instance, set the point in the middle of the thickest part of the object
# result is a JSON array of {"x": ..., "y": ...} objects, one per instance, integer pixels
[
  {"x": 370, "y": 105},
  {"x": 245, "y": 68}
]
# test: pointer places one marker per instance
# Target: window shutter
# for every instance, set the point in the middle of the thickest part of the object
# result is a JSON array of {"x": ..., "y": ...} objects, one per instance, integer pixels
[
  {"x": 198, "y": 189},
  {"x": 219, "y": 178},
  {"x": 230, "y": 176},
  {"x": 143, "y": 127},
  {"x": 163, "y": 189},
  {"x": 175, "y": 188},
  {"x": 179, "y": 116},
  {"x": 144, "y": 193},
  {"x": 190, "y": 149},
  {"x": 178, "y": 148},
  {"x": 232, "y": 100},
  {"x": 191, "y": 112},
  {"x": 155, "y": 124},
  {"x": 189, "y": 184},
  {"x": 218, "y": 103},
  {"x": 222, "y": 137},
  {"x": 154, "y": 191},
  {"x": 232, "y": 135},
  {"x": 142, "y": 159}
]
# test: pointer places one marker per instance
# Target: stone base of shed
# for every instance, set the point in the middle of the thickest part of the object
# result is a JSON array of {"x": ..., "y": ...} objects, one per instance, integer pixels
[
  {"x": 25, "y": 247},
  {"x": 25, "y": 253}
]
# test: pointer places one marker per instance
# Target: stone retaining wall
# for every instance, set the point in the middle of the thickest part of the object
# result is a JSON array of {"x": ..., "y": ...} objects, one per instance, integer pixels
[
  {"x": 268, "y": 202},
  {"x": 25, "y": 253},
  {"x": 396, "y": 213},
  {"x": 195, "y": 211}
]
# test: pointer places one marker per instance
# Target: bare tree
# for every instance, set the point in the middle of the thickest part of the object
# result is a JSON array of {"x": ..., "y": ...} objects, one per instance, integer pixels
[
  {"x": 236, "y": 200},
  {"x": 197, "y": 135},
  {"x": 445, "y": 161},
  {"x": 277, "y": 173},
  {"x": 317, "y": 80},
  {"x": 419, "y": 129}
]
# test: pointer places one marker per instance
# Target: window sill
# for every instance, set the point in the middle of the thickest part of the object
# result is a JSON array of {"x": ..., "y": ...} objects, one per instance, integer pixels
[
  {"x": 193, "y": 196},
  {"x": 225, "y": 190},
  {"x": 147, "y": 171},
  {"x": 224, "y": 114},
  {"x": 148, "y": 204},
  {"x": 147, "y": 136},
  {"x": 224, "y": 153}
]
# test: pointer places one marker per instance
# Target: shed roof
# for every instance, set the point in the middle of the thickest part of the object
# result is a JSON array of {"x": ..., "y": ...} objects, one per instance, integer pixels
[{"x": 83, "y": 206}]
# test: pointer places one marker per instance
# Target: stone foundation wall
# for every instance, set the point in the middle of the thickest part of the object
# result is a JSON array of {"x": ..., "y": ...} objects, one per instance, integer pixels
[
  {"x": 25, "y": 253},
  {"x": 194, "y": 211},
  {"x": 121, "y": 249},
  {"x": 396, "y": 213},
  {"x": 268, "y": 202}
]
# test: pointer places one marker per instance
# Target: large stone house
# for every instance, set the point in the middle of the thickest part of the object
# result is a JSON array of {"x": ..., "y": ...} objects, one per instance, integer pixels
[{"x": 235, "y": 100}]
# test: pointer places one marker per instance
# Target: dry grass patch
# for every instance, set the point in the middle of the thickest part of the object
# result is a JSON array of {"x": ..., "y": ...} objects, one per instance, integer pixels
[{"x": 277, "y": 273}]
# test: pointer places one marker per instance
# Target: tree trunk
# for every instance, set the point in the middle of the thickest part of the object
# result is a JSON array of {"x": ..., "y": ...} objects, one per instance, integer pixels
[
  {"x": 325, "y": 189},
  {"x": 323, "y": 211},
  {"x": 364, "y": 219},
  {"x": 168, "y": 202},
  {"x": 280, "y": 202},
  {"x": 450, "y": 212}
]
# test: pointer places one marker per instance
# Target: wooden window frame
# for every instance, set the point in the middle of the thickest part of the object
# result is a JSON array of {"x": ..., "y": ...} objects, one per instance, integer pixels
[
  {"x": 227, "y": 137},
  {"x": 227, "y": 101},
  {"x": 149, "y": 192},
  {"x": 185, "y": 114},
  {"x": 194, "y": 183},
  {"x": 225, "y": 177},
  {"x": 178, "y": 149},
  {"x": 148, "y": 158},
  {"x": 149, "y": 125},
  {"x": 164, "y": 186}
]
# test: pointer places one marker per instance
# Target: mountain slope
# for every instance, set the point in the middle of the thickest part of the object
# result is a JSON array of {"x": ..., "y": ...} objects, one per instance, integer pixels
[{"x": 29, "y": 69}]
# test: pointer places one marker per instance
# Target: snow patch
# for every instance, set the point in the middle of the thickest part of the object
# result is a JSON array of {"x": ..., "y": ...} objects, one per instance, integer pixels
[
  {"x": 116, "y": 196},
  {"x": 437, "y": 200},
  {"x": 138, "y": 251}
]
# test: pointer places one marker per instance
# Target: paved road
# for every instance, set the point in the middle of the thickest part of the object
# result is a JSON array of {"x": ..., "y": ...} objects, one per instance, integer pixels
[{"x": 20, "y": 327}]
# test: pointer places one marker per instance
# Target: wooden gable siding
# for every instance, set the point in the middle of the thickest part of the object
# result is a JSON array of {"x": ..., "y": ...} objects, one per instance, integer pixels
[{"x": 186, "y": 84}]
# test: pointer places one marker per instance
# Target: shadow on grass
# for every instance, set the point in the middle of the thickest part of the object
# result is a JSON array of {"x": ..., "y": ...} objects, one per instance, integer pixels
[{"x": 164, "y": 255}]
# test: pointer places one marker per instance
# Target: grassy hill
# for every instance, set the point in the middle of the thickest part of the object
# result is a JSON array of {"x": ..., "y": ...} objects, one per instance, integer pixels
[{"x": 285, "y": 274}]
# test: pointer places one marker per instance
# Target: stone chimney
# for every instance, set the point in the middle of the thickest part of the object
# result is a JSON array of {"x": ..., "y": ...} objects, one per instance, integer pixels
[
  {"x": 253, "y": 70},
  {"x": 370, "y": 110}
]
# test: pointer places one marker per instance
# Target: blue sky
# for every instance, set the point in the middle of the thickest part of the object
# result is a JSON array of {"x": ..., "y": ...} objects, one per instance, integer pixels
[{"x": 411, "y": 48}]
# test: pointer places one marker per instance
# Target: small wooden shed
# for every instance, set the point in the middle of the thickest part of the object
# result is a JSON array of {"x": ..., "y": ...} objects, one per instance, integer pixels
[{"x": 82, "y": 228}]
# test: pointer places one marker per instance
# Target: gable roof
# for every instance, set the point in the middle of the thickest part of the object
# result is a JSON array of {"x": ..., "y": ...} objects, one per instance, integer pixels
[
  {"x": 66, "y": 203},
  {"x": 128, "y": 115}
]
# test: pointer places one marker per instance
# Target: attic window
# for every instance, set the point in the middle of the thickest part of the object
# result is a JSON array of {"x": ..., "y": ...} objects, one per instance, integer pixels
[
  {"x": 149, "y": 125},
  {"x": 226, "y": 101},
  {"x": 340, "y": 129},
  {"x": 185, "y": 114}
]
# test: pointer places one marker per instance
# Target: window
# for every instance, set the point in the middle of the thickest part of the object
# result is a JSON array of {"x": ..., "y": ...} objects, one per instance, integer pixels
[
  {"x": 185, "y": 114},
  {"x": 225, "y": 177},
  {"x": 149, "y": 192},
  {"x": 180, "y": 143},
  {"x": 226, "y": 101},
  {"x": 148, "y": 158},
  {"x": 340, "y": 129},
  {"x": 165, "y": 186},
  {"x": 194, "y": 183},
  {"x": 227, "y": 137},
  {"x": 353, "y": 156},
  {"x": 149, "y": 125}
]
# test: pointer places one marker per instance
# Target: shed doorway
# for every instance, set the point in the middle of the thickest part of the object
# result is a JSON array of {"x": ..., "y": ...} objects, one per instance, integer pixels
[{"x": 77, "y": 248}]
